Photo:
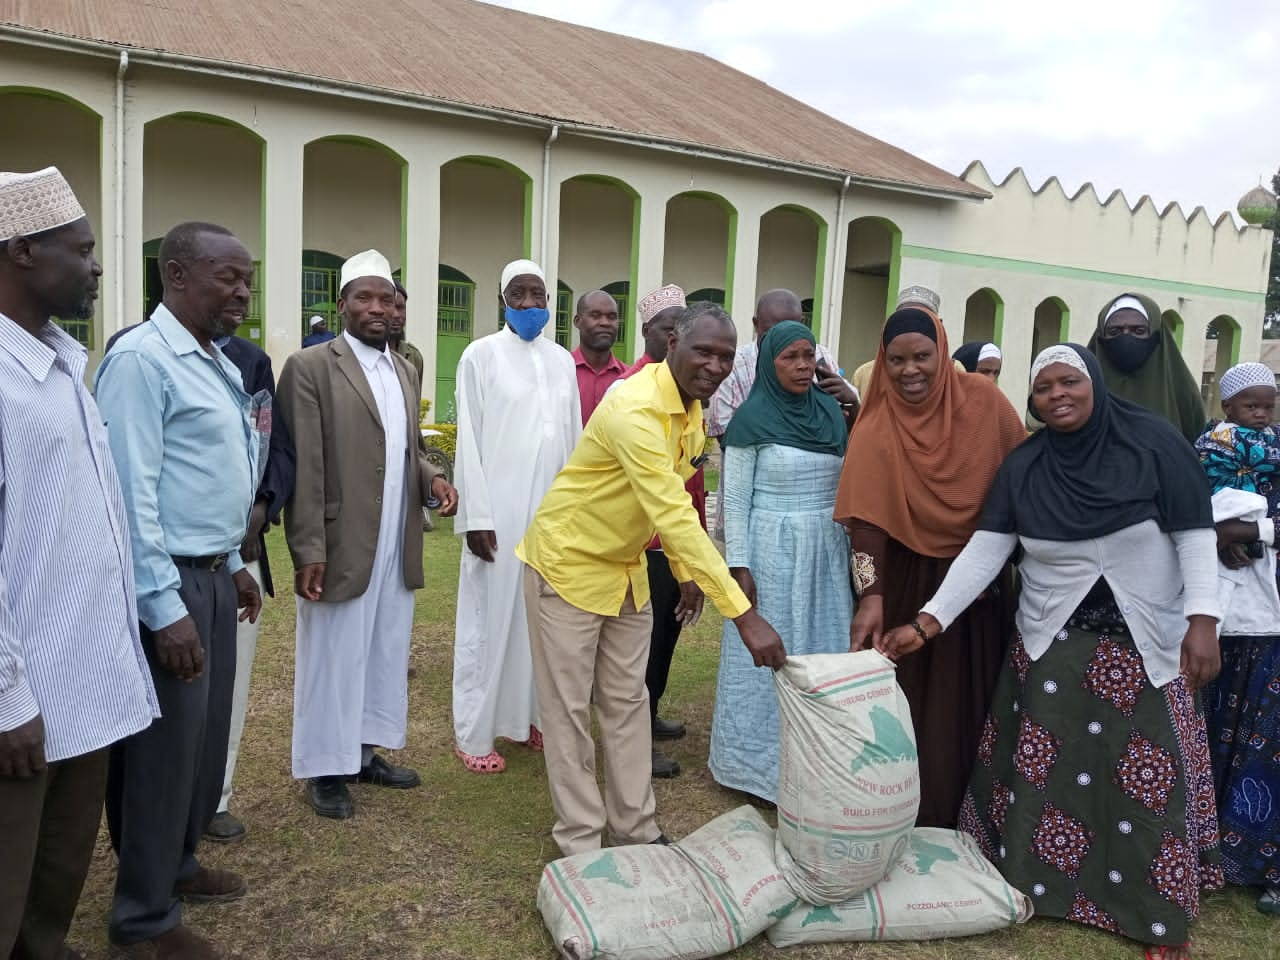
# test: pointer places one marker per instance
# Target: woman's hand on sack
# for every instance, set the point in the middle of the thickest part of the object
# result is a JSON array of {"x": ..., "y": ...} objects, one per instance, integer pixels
[
  {"x": 742, "y": 575},
  {"x": 868, "y": 624},
  {"x": 1201, "y": 657},
  {"x": 898, "y": 642}
]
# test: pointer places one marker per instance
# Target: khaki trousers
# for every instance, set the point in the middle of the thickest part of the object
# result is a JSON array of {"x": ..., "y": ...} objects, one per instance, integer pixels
[{"x": 578, "y": 655}]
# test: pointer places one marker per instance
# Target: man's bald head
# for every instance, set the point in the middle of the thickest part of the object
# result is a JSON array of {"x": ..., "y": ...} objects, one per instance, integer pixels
[{"x": 774, "y": 307}]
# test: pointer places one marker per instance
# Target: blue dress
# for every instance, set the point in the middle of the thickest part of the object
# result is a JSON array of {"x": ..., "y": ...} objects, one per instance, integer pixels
[{"x": 778, "y": 506}]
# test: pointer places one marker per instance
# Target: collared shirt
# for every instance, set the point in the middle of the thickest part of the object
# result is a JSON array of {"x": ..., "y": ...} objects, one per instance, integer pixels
[
  {"x": 697, "y": 485},
  {"x": 178, "y": 421},
  {"x": 379, "y": 370},
  {"x": 624, "y": 482},
  {"x": 593, "y": 384},
  {"x": 413, "y": 355},
  {"x": 69, "y": 644},
  {"x": 738, "y": 384}
]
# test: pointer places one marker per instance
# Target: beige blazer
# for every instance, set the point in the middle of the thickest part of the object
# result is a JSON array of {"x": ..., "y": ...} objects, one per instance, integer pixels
[{"x": 334, "y": 513}]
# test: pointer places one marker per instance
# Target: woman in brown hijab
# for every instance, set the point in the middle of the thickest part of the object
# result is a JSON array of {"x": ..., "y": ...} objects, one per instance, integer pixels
[{"x": 921, "y": 457}]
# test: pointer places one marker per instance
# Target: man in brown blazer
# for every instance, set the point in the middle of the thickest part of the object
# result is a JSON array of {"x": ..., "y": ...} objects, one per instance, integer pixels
[{"x": 354, "y": 528}]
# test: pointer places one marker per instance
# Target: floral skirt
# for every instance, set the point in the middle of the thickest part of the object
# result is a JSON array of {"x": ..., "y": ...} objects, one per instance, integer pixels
[
  {"x": 1242, "y": 708},
  {"x": 1093, "y": 791}
]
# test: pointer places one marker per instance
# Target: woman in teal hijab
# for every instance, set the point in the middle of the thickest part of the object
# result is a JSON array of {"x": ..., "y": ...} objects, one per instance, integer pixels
[{"x": 783, "y": 452}]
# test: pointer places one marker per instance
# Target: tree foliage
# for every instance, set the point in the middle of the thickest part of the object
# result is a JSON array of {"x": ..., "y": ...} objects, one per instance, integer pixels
[{"x": 1271, "y": 319}]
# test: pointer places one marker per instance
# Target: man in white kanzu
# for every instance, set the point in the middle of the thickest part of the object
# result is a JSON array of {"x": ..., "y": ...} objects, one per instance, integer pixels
[
  {"x": 519, "y": 416},
  {"x": 354, "y": 527}
]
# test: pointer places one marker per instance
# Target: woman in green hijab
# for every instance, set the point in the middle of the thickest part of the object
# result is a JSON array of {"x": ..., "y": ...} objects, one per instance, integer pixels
[
  {"x": 783, "y": 452},
  {"x": 1141, "y": 364}
]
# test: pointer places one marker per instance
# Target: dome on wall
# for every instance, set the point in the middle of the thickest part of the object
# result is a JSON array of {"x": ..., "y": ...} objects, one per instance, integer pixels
[{"x": 1257, "y": 206}]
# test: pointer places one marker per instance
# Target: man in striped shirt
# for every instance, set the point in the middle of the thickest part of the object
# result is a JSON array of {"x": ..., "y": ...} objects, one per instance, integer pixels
[{"x": 73, "y": 676}]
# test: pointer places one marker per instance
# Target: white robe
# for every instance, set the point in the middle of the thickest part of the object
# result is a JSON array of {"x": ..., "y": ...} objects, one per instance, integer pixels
[
  {"x": 519, "y": 417},
  {"x": 350, "y": 683}
]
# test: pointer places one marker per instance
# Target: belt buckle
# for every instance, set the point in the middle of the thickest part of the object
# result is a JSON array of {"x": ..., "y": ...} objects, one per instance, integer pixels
[{"x": 218, "y": 563}]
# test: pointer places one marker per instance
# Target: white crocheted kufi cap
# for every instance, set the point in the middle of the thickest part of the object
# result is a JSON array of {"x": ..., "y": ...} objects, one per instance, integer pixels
[
  {"x": 1245, "y": 375},
  {"x": 32, "y": 203},
  {"x": 520, "y": 268}
]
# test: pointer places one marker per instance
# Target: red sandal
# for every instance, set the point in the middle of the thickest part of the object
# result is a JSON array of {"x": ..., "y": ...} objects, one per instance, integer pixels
[
  {"x": 1156, "y": 951},
  {"x": 490, "y": 763},
  {"x": 534, "y": 742}
]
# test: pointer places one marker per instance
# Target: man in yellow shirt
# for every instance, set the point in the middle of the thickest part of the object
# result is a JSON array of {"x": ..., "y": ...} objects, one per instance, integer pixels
[{"x": 587, "y": 591}]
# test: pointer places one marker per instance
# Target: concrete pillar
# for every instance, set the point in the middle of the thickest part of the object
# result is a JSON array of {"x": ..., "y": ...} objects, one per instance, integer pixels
[
  {"x": 651, "y": 239},
  {"x": 744, "y": 254},
  {"x": 282, "y": 246},
  {"x": 422, "y": 259}
]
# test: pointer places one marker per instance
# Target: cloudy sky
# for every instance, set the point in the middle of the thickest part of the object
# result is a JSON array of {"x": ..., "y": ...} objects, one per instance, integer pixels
[{"x": 1179, "y": 99}]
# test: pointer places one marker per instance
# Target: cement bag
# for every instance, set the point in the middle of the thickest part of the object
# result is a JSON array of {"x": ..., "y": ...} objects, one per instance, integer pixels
[
  {"x": 942, "y": 887},
  {"x": 711, "y": 892},
  {"x": 849, "y": 786}
]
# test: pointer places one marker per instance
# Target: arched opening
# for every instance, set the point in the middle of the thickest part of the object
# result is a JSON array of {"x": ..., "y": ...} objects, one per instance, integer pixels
[
  {"x": 984, "y": 316},
  {"x": 485, "y": 223},
  {"x": 1173, "y": 326},
  {"x": 709, "y": 294},
  {"x": 202, "y": 167},
  {"x": 1222, "y": 351},
  {"x": 70, "y": 138},
  {"x": 599, "y": 226},
  {"x": 352, "y": 200},
  {"x": 1052, "y": 319},
  {"x": 455, "y": 324},
  {"x": 871, "y": 269},
  {"x": 791, "y": 253},
  {"x": 699, "y": 243}
]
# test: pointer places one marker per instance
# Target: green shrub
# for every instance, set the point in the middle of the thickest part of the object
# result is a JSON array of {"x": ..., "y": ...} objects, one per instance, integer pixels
[
  {"x": 422, "y": 413},
  {"x": 448, "y": 439}
]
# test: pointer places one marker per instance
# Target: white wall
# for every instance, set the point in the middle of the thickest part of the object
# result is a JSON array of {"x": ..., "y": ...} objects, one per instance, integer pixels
[
  {"x": 197, "y": 170},
  {"x": 788, "y": 252},
  {"x": 351, "y": 197},
  {"x": 481, "y": 229},
  {"x": 696, "y": 247}
]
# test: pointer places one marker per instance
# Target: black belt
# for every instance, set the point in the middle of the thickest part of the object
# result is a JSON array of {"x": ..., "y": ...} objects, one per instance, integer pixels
[{"x": 213, "y": 563}]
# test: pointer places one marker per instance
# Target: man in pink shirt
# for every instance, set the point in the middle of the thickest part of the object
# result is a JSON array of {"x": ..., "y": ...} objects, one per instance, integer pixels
[{"x": 598, "y": 369}]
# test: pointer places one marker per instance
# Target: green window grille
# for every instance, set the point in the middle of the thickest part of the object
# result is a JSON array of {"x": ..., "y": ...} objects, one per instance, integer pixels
[
  {"x": 320, "y": 297},
  {"x": 82, "y": 330},
  {"x": 712, "y": 294},
  {"x": 564, "y": 315},
  {"x": 621, "y": 292},
  {"x": 456, "y": 308}
]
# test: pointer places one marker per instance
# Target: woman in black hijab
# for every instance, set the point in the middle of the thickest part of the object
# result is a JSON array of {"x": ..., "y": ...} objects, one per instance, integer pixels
[{"x": 1093, "y": 790}]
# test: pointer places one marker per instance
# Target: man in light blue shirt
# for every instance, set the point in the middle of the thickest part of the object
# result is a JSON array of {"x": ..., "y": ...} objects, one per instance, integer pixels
[
  {"x": 187, "y": 451},
  {"x": 73, "y": 676}
]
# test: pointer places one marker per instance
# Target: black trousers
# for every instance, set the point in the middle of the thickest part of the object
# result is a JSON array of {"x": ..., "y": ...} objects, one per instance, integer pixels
[
  {"x": 664, "y": 594},
  {"x": 48, "y": 825},
  {"x": 164, "y": 783}
]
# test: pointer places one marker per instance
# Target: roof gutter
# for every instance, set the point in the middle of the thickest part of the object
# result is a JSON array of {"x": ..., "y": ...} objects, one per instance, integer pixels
[
  {"x": 837, "y": 246},
  {"x": 118, "y": 253},
  {"x": 285, "y": 78}
]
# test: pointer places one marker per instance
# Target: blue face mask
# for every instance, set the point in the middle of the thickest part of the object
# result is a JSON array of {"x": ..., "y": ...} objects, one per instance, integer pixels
[{"x": 527, "y": 323}]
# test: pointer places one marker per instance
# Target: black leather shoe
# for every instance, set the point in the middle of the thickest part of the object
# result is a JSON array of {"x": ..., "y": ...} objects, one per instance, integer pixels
[
  {"x": 662, "y": 841},
  {"x": 329, "y": 797},
  {"x": 224, "y": 828},
  {"x": 667, "y": 729},
  {"x": 383, "y": 774},
  {"x": 664, "y": 768}
]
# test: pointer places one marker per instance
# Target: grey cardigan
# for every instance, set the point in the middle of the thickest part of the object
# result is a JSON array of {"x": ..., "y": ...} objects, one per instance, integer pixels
[{"x": 1158, "y": 580}]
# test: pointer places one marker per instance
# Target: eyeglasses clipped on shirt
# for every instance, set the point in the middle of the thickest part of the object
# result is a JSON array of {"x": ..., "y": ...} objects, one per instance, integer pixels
[{"x": 698, "y": 461}]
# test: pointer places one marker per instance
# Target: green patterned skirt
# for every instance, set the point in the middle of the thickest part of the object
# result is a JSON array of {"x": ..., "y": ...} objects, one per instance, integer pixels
[{"x": 1093, "y": 791}]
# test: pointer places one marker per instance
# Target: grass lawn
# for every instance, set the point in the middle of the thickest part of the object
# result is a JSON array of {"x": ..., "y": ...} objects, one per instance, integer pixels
[{"x": 450, "y": 871}]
